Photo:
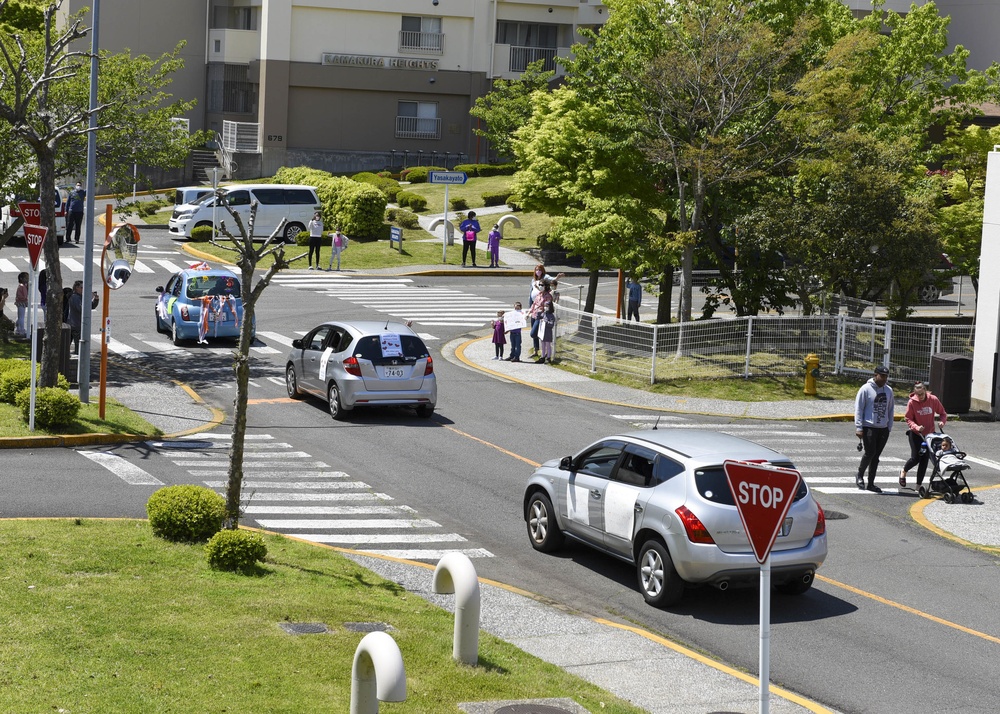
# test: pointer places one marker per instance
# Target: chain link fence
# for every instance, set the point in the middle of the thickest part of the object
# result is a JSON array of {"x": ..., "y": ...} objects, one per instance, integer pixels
[{"x": 754, "y": 346}]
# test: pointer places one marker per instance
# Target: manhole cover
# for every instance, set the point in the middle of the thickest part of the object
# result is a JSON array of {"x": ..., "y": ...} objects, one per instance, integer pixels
[
  {"x": 368, "y": 626},
  {"x": 531, "y": 709},
  {"x": 304, "y": 628},
  {"x": 834, "y": 515}
]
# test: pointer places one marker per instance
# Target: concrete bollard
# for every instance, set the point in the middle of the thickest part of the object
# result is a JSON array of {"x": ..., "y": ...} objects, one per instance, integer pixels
[
  {"x": 377, "y": 674},
  {"x": 456, "y": 574}
]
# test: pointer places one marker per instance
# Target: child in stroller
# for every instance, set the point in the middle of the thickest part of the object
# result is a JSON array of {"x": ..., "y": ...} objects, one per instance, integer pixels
[{"x": 949, "y": 463}]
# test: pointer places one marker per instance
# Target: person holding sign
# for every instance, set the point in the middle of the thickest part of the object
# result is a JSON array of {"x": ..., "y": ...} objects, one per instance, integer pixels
[{"x": 470, "y": 232}]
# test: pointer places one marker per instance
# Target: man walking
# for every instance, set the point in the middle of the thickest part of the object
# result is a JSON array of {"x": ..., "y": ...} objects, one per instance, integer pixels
[
  {"x": 75, "y": 209},
  {"x": 874, "y": 410},
  {"x": 634, "y": 298}
]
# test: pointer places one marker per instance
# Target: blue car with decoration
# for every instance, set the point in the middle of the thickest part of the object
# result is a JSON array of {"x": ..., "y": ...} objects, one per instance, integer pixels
[{"x": 201, "y": 304}]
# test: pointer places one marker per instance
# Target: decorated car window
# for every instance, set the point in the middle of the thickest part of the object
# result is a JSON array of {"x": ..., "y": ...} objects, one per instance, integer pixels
[
  {"x": 600, "y": 460},
  {"x": 370, "y": 347},
  {"x": 199, "y": 286}
]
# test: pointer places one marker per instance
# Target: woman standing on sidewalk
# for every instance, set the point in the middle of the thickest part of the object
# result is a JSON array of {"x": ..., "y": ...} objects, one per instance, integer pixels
[{"x": 921, "y": 412}]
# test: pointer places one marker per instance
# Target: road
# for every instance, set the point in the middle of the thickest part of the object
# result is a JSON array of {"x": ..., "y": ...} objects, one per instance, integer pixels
[{"x": 900, "y": 619}]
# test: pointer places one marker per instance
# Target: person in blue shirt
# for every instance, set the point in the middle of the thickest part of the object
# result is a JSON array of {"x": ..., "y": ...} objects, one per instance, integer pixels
[
  {"x": 470, "y": 231},
  {"x": 634, "y": 298},
  {"x": 75, "y": 210}
]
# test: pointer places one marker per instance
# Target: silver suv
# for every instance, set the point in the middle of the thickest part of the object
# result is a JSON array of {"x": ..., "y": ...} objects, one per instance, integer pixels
[{"x": 660, "y": 500}]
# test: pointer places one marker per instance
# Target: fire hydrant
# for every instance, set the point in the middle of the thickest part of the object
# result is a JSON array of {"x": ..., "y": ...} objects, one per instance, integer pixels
[{"x": 812, "y": 372}]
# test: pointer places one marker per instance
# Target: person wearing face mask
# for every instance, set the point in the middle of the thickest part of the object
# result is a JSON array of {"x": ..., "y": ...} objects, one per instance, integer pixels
[
  {"x": 75, "y": 212},
  {"x": 921, "y": 412},
  {"x": 873, "y": 414}
]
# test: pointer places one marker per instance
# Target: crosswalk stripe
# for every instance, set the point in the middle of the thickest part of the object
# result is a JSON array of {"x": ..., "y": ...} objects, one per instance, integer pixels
[
  {"x": 293, "y": 474},
  {"x": 224, "y": 436},
  {"x": 275, "y": 337},
  {"x": 295, "y": 485},
  {"x": 265, "y": 455},
  {"x": 7, "y": 267},
  {"x": 315, "y": 497},
  {"x": 857, "y": 491},
  {"x": 169, "y": 265},
  {"x": 125, "y": 470},
  {"x": 348, "y": 524},
  {"x": 263, "y": 465},
  {"x": 423, "y": 554},
  {"x": 381, "y": 539},
  {"x": 327, "y": 510}
]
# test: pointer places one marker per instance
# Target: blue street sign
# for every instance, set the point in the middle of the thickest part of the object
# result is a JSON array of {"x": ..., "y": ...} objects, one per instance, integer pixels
[
  {"x": 395, "y": 234},
  {"x": 453, "y": 177}
]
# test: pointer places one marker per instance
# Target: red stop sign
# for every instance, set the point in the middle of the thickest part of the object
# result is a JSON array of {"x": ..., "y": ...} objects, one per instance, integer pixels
[
  {"x": 763, "y": 495},
  {"x": 34, "y": 236}
]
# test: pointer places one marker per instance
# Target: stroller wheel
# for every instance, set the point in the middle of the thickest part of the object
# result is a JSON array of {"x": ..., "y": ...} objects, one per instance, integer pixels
[
  {"x": 948, "y": 497},
  {"x": 923, "y": 492},
  {"x": 967, "y": 498}
]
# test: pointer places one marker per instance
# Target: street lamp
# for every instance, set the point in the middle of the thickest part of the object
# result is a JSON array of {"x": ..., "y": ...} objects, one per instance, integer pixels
[{"x": 83, "y": 351}]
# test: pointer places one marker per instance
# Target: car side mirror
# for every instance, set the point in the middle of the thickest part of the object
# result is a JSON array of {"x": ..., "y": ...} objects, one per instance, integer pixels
[
  {"x": 566, "y": 463},
  {"x": 297, "y": 343},
  {"x": 159, "y": 288}
]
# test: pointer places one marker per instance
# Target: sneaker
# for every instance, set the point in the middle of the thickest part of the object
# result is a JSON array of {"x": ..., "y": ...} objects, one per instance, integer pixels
[
  {"x": 873, "y": 488},
  {"x": 496, "y": 358},
  {"x": 860, "y": 481},
  {"x": 312, "y": 267}
]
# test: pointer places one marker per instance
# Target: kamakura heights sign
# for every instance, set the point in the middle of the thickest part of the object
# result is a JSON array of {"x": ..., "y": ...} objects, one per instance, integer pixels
[{"x": 332, "y": 58}]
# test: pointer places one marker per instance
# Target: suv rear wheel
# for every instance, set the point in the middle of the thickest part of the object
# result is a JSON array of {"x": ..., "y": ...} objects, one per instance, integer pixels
[{"x": 659, "y": 582}]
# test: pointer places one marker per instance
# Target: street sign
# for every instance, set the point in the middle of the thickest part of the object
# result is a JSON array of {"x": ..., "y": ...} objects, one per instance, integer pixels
[
  {"x": 449, "y": 177},
  {"x": 34, "y": 236},
  {"x": 763, "y": 495},
  {"x": 31, "y": 212}
]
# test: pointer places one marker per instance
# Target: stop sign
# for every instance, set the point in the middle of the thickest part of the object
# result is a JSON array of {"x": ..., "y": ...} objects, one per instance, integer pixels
[
  {"x": 34, "y": 236},
  {"x": 763, "y": 495}
]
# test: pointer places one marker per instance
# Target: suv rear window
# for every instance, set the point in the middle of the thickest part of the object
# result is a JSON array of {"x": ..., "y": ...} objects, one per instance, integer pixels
[
  {"x": 370, "y": 348},
  {"x": 299, "y": 197},
  {"x": 713, "y": 485}
]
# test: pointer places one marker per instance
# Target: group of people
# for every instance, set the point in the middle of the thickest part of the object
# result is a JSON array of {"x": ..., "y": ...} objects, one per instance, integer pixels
[
  {"x": 72, "y": 306},
  {"x": 874, "y": 413},
  {"x": 338, "y": 243},
  {"x": 542, "y": 297},
  {"x": 470, "y": 230}
]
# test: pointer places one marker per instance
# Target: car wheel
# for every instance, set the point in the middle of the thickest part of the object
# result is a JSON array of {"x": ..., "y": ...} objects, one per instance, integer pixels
[
  {"x": 795, "y": 586},
  {"x": 659, "y": 582},
  {"x": 337, "y": 410},
  {"x": 292, "y": 230},
  {"x": 174, "y": 337},
  {"x": 543, "y": 531},
  {"x": 425, "y": 411},
  {"x": 292, "y": 383},
  {"x": 929, "y": 294}
]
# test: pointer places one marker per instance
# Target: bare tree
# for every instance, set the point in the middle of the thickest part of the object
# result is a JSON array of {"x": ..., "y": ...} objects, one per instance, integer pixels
[{"x": 248, "y": 257}]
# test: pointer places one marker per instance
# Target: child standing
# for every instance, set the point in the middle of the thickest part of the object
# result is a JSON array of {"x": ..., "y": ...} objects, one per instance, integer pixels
[
  {"x": 547, "y": 333},
  {"x": 338, "y": 246},
  {"x": 21, "y": 303},
  {"x": 499, "y": 336},
  {"x": 493, "y": 243}
]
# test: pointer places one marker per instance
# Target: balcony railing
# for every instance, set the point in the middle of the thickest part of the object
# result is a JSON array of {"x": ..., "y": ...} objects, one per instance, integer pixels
[
  {"x": 521, "y": 57},
  {"x": 431, "y": 43},
  {"x": 418, "y": 128}
]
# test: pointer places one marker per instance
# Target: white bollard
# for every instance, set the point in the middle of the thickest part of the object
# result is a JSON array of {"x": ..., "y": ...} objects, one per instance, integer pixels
[
  {"x": 456, "y": 574},
  {"x": 377, "y": 674}
]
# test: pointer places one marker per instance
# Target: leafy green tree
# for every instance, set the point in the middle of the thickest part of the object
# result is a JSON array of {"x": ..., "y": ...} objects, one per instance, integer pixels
[{"x": 507, "y": 107}]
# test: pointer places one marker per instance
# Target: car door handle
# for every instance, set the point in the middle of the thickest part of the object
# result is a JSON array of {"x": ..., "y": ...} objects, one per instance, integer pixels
[
  {"x": 638, "y": 508},
  {"x": 595, "y": 493}
]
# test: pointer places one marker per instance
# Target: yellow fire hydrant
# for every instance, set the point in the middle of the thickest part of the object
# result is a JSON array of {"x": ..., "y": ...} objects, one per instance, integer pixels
[{"x": 812, "y": 372}]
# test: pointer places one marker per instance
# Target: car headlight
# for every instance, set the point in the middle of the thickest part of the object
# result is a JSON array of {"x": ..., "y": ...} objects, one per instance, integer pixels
[{"x": 185, "y": 216}]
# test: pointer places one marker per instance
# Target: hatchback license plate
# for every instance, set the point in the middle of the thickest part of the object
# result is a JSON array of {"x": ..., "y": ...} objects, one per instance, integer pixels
[{"x": 392, "y": 372}]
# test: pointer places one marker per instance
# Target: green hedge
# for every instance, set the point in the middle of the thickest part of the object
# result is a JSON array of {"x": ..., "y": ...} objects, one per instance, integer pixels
[
  {"x": 201, "y": 234},
  {"x": 413, "y": 201},
  {"x": 357, "y": 208},
  {"x": 235, "y": 551},
  {"x": 17, "y": 377},
  {"x": 185, "y": 513},
  {"x": 487, "y": 169},
  {"x": 387, "y": 185},
  {"x": 459, "y": 204},
  {"x": 54, "y": 406},
  {"x": 418, "y": 174},
  {"x": 496, "y": 198}
]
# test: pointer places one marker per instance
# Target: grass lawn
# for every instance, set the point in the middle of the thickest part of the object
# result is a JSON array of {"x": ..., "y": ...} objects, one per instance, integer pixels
[{"x": 100, "y": 616}]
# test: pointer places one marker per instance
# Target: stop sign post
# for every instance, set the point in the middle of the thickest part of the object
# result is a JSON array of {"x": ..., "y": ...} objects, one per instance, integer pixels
[
  {"x": 34, "y": 238},
  {"x": 763, "y": 494}
]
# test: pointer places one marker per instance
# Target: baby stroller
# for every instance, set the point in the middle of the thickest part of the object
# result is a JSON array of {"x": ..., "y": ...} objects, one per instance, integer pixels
[{"x": 948, "y": 476}]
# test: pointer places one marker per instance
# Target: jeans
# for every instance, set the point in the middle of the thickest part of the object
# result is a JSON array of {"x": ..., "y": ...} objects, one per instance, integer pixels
[
  {"x": 874, "y": 441},
  {"x": 515, "y": 344},
  {"x": 535, "y": 322}
]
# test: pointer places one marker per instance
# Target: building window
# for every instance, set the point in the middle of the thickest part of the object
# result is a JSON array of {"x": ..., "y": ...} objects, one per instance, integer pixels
[
  {"x": 421, "y": 34},
  {"x": 235, "y": 18},
  {"x": 417, "y": 120},
  {"x": 230, "y": 89},
  {"x": 529, "y": 42}
]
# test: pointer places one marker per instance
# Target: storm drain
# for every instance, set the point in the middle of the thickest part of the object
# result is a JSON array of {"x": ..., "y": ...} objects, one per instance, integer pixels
[
  {"x": 525, "y": 706},
  {"x": 368, "y": 626},
  {"x": 304, "y": 628}
]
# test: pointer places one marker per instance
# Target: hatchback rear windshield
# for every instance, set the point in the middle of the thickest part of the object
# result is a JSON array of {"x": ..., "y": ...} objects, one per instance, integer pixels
[
  {"x": 199, "y": 286},
  {"x": 713, "y": 485},
  {"x": 370, "y": 348}
]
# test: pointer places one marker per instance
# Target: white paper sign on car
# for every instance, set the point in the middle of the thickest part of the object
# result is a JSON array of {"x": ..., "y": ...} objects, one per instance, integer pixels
[
  {"x": 514, "y": 321},
  {"x": 323, "y": 362},
  {"x": 392, "y": 346}
]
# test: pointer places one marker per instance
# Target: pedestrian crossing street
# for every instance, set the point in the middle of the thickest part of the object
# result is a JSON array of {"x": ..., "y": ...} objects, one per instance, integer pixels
[
  {"x": 295, "y": 493},
  {"x": 401, "y": 298},
  {"x": 827, "y": 464}
]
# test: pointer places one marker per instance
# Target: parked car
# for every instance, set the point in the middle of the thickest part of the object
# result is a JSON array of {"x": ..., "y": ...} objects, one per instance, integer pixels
[
  {"x": 200, "y": 304},
  {"x": 275, "y": 202},
  {"x": 10, "y": 210},
  {"x": 659, "y": 499},
  {"x": 189, "y": 194},
  {"x": 938, "y": 282},
  {"x": 362, "y": 364}
]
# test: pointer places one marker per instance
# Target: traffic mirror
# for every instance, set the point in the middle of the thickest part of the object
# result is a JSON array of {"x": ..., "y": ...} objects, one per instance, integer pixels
[{"x": 119, "y": 256}]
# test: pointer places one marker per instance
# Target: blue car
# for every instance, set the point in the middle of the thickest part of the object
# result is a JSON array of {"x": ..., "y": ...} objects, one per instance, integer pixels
[{"x": 201, "y": 305}]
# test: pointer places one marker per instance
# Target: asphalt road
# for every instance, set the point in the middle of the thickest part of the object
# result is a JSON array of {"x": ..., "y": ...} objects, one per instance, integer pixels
[{"x": 900, "y": 620}]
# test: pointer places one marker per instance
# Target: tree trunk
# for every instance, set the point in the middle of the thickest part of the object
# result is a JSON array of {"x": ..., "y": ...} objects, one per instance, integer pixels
[
  {"x": 666, "y": 293},
  {"x": 241, "y": 370},
  {"x": 49, "y": 372}
]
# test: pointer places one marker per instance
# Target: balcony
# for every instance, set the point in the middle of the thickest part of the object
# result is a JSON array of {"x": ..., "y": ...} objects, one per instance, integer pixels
[
  {"x": 429, "y": 43},
  {"x": 418, "y": 128},
  {"x": 521, "y": 57},
  {"x": 233, "y": 46}
]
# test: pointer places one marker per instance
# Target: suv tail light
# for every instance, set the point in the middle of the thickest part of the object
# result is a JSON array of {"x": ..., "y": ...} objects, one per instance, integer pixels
[
  {"x": 352, "y": 366},
  {"x": 820, "y": 522},
  {"x": 696, "y": 530},
  {"x": 429, "y": 369}
]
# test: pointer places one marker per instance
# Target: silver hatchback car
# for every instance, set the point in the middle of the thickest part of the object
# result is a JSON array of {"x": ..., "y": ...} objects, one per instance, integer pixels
[
  {"x": 360, "y": 364},
  {"x": 659, "y": 499}
]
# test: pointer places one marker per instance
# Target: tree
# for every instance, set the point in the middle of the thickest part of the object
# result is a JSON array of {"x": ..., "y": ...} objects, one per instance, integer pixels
[
  {"x": 507, "y": 107},
  {"x": 44, "y": 105},
  {"x": 248, "y": 257}
]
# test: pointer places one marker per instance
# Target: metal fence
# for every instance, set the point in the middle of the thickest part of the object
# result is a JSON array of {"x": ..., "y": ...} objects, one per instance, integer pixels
[{"x": 754, "y": 346}]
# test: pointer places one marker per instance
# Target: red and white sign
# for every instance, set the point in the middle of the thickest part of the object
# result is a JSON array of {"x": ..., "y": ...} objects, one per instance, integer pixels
[
  {"x": 763, "y": 495},
  {"x": 30, "y": 212},
  {"x": 34, "y": 236}
]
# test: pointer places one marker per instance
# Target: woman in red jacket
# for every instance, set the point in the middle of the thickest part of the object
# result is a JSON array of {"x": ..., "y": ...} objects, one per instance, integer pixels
[{"x": 921, "y": 411}]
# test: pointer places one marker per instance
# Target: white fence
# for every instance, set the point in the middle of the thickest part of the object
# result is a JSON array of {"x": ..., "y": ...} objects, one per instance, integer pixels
[{"x": 754, "y": 346}]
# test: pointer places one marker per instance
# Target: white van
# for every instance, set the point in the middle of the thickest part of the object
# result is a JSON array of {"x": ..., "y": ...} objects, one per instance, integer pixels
[
  {"x": 275, "y": 202},
  {"x": 189, "y": 194}
]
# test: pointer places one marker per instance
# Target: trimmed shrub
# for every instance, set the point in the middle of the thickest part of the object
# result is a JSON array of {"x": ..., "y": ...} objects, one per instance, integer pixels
[
  {"x": 487, "y": 169},
  {"x": 235, "y": 551},
  {"x": 201, "y": 234},
  {"x": 389, "y": 186},
  {"x": 496, "y": 198},
  {"x": 17, "y": 377},
  {"x": 514, "y": 203},
  {"x": 413, "y": 201},
  {"x": 384, "y": 174},
  {"x": 358, "y": 208},
  {"x": 390, "y": 214},
  {"x": 185, "y": 514},
  {"x": 54, "y": 407},
  {"x": 302, "y": 239},
  {"x": 418, "y": 174},
  {"x": 405, "y": 219},
  {"x": 459, "y": 204}
]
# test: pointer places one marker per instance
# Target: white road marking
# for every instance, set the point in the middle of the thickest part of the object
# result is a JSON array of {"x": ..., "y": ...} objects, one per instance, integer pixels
[
  {"x": 252, "y": 455},
  {"x": 125, "y": 470},
  {"x": 275, "y": 337},
  {"x": 327, "y": 510},
  {"x": 350, "y": 524},
  {"x": 170, "y": 266},
  {"x": 317, "y": 497},
  {"x": 293, "y": 474},
  {"x": 983, "y": 462},
  {"x": 362, "y": 540},
  {"x": 423, "y": 554},
  {"x": 263, "y": 465},
  {"x": 221, "y": 436},
  {"x": 300, "y": 486}
]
